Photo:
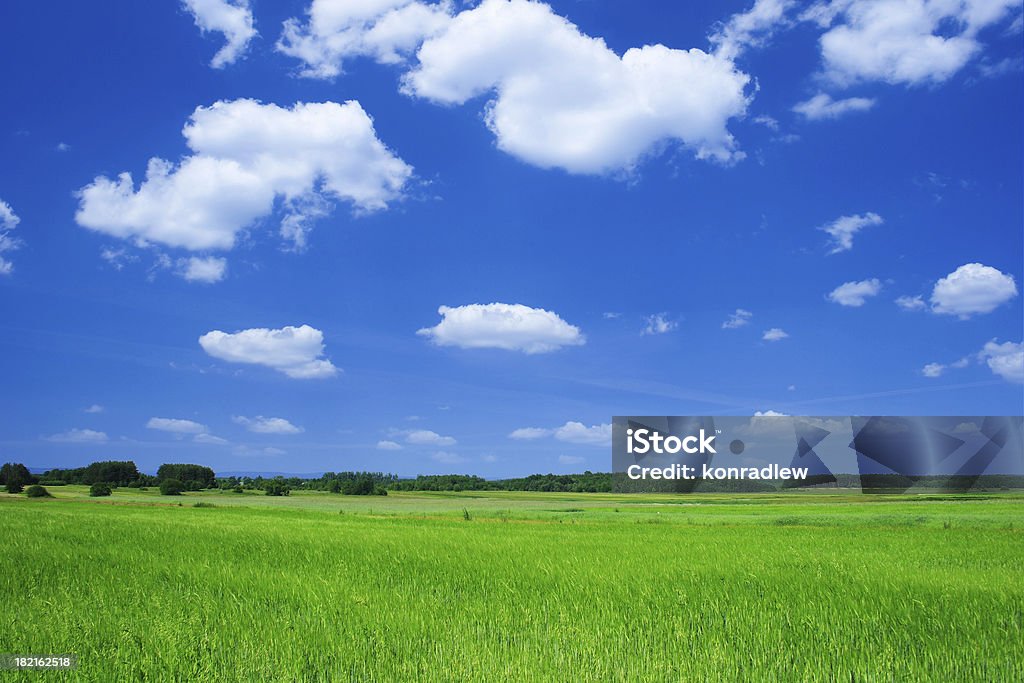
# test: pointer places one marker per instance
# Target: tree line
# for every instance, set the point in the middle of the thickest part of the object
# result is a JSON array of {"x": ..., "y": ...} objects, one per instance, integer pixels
[{"x": 177, "y": 478}]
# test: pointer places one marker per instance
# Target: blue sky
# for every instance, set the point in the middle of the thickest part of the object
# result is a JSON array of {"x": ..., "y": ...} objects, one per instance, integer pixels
[{"x": 793, "y": 168}]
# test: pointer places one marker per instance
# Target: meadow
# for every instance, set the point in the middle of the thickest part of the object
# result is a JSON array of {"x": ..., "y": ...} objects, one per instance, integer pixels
[{"x": 515, "y": 586}]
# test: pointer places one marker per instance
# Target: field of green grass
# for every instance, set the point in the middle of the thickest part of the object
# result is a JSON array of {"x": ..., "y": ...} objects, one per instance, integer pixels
[{"x": 515, "y": 586}]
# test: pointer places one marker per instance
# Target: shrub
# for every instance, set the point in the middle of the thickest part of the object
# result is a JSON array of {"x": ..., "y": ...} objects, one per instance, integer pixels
[
  {"x": 99, "y": 489},
  {"x": 380, "y": 491},
  {"x": 37, "y": 491},
  {"x": 14, "y": 487},
  {"x": 171, "y": 487},
  {"x": 238, "y": 489},
  {"x": 276, "y": 488},
  {"x": 203, "y": 504}
]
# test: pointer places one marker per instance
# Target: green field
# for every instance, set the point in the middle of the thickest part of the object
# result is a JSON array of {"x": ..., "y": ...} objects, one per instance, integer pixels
[{"x": 515, "y": 586}]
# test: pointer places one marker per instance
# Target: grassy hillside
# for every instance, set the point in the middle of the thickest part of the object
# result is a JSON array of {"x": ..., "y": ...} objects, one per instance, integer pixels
[{"x": 516, "y": 586}]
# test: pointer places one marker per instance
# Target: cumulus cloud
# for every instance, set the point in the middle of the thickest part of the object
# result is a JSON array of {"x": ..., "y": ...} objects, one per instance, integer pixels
[
  {"x": 570, "y": 432},
  {"x": 267, "y": 425},
  {"x": 971, "y": 289},
  {"x": 208, "y": 269},
  {"x": 911, "y": 303},
  {"x": 659, "y": 324},
  {"x": 855, "y": 293},
  {"x": 752, "y": 28},
  {"x": 911, "y": 42},
  {"x": 388, "y": 446},
  {"x": 245, "y": 157},
  {"x": 1005, "y": 360},
  {"x": 233, "y": 18},
  {"x": 769, "y": 413},
  {"x": 513, "y": 327},
  {"x": 422, "y": 437},
  {"x": 938, "y": 369},
  {"x": 176, "y": 426},
  {"x": 295, "y": 351},
  {"x": 8, "y": 222},
  {"x": 210, "y": 439},
  {"x": 774, "y": 334},
  {"x": 78, "y": 436},
  {"x": 843, "y": 229},
  {"x": 738, "y": 319},
  {"x": 822, "y": 106},
  {"x": 94, "y": 408},
  {"x": 562, "y": 99},
  {"x": 384, "y": 30}
]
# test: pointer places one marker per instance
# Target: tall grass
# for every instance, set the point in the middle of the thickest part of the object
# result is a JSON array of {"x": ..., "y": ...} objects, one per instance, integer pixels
[{"x": 797, "y": 590}]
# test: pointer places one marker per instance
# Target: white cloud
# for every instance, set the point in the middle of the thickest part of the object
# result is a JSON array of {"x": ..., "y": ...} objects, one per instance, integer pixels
[
  {"x": 611, "y": 315},
  {"x": 208, "y": 269},
  {"x": 267, "y": 425},
  {"x": 912, "y": 42},
  {"x": 911, "y": 303},
  {"x": 94, "y": 408},
  {"x": 659, "y": 324},
  {"x": 1005, "y": 360},
  {"x": 752, "y": 28},
  {"x": 512, "y": 327},
  {"x": 933, "y": 370},
  {"x": 529, "y": 433},
  {"x": 210, "y": 439},
  {"x": 8, "y": 222},
  {"x": 570, "y": 432},
  {"x": 571, "y": 459},
  {"x": 769, "y": 413},
  {"x": 245, "y": 156},
  {"x": 855, "y": 293},
  {"x": 388, "y": 446},
  {"x": 971, "y": 289},
  {"x": 176, "y": 426},
  {"x": 422, "y": 437},
  {"x": 822, "y": 106},
  {"x": 738, "y": 319},
  {"x": 562, "y": 99},
  {"x": 448, "y": 457},
  {"x": 488, "y": 457},
  {"x": 295, "y": 351},
  {"x": 843, "y": 229},
  {"x": 233, "y": 18},
  {"x": 577, "y": 432},
  {"x": 768, "y": 122},
  {"x": 1009, "y": 65},
  {"x": 774, "y": 334},
  {"x": 117, "y": 257},
  {"x": 78, "y": 436},
  {"x": 385, "y": 30}
]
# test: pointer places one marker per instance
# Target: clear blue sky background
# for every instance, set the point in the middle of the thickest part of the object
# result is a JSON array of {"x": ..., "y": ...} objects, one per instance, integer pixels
[{"x": 98, "y": 88}]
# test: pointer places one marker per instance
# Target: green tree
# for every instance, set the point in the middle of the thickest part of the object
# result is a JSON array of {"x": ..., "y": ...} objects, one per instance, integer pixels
[
  {"x": 37, "y": 491},
  {"x": 171, "y": 487},
  {"x": 276, "y": 487},
  {"x": 194, "y": 477},
  {"x": 99, "y": 489},
  {"x": 15, "y": 476}
]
